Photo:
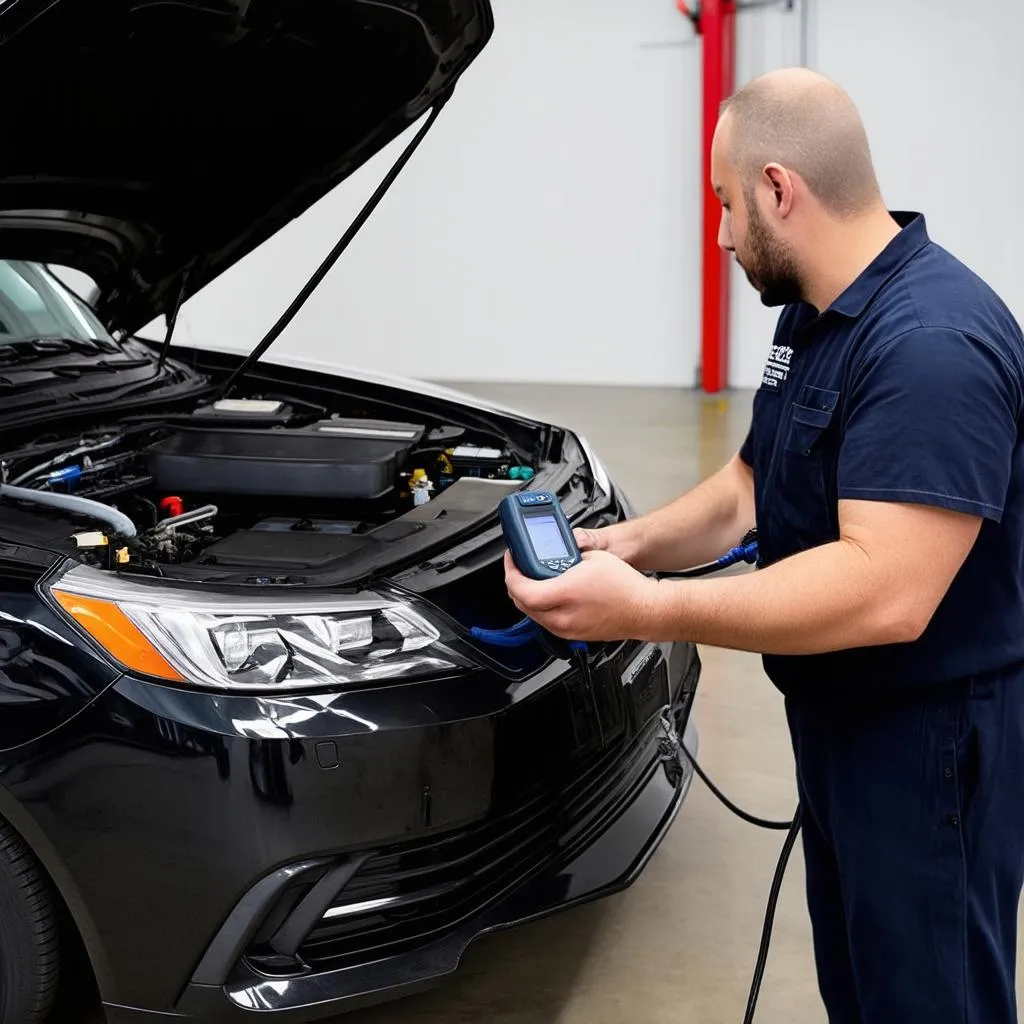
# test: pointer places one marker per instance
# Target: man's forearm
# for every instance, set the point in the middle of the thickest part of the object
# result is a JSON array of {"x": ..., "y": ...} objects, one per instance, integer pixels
[
  {"x": 695, "y": 528},
  {"x": 830, "y": 598}
]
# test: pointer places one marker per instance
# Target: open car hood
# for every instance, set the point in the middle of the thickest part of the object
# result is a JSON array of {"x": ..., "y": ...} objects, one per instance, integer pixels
[{"x": 153, "y": 143}]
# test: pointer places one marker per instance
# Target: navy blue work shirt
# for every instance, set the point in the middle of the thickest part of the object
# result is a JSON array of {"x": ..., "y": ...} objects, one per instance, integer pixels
[{"x": 908, "y": 388}]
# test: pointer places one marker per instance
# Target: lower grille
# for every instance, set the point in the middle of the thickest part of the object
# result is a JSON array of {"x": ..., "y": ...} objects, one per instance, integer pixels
[{"x": 409, "y": 895}]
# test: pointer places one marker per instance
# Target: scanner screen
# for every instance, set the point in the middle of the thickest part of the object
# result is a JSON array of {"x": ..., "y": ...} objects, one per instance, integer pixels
[{"x": 546, "y": 537}]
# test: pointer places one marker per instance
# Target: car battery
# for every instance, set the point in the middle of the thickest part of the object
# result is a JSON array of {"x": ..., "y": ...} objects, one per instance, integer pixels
[{"x": 473, "y": 461}]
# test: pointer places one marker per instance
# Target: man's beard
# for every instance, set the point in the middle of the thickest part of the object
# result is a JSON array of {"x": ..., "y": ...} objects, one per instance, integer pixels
[{"x": 769, "y": 263}]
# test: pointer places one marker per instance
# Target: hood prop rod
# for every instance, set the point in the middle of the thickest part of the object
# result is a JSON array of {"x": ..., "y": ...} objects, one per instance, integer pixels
[
  {"x": 332, "y": 257},
  {"x": 172, "y": 319}
]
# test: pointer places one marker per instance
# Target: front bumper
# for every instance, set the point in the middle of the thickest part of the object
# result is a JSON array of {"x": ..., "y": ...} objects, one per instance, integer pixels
[
  {"x": 304, "y": 856},
  {"x": 610, "y": 864}
]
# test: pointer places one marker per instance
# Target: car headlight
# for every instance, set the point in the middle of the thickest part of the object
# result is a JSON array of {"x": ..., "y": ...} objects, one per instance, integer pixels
[
  {"x": 603, "y": 478},
  {"x": 187, "y": 636},
  {"x": 600, "y": 472}
]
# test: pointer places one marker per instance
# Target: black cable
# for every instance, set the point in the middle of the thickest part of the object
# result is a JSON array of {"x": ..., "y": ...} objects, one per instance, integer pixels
[
  {"x": 731, "y": 558},
  {"x": 581, "y": 657},
  {"x": 792, "y": 828},
  {"x": 769, "y": 918},
  {"x": 777, "y": 826},
  {"x": 691, "y": 574}
]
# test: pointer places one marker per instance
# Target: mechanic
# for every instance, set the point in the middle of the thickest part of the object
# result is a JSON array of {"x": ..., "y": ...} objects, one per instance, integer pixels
[{"x": 884, "y": 471}]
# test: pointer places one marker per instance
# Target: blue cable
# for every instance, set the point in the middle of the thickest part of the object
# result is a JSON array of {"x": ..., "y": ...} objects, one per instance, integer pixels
[
  {"x": 519, "y": 635},
  {"x": 68, "y": 473},
  {"x": 742, "y": 553}
]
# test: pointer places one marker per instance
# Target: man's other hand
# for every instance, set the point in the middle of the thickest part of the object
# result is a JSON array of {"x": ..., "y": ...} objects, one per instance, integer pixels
[{"x": 618, "y": 540}]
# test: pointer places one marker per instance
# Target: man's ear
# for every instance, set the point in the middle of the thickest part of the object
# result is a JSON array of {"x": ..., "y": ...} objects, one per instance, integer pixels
[{"x": 780, "y": 181}]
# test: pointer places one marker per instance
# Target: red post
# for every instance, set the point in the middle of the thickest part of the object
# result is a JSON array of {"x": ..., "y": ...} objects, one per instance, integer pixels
[{"x": 717, "y": 25}]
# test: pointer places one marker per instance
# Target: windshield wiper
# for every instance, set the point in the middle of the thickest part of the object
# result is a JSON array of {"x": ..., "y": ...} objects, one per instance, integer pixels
[
  {"x": 100, "y": 366},
  {"x": 21, "y": 349}
]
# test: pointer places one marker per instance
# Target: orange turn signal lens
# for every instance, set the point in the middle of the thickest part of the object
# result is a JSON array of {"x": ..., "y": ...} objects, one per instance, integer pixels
[{"x": 117, "y": 634}]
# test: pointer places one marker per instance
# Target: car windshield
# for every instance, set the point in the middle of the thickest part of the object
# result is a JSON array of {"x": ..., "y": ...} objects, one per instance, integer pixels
[{"x": 34, "y": 304}]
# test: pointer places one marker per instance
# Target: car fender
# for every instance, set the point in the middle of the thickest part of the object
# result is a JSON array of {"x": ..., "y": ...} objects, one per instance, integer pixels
[{"x": 18, "y": 817}]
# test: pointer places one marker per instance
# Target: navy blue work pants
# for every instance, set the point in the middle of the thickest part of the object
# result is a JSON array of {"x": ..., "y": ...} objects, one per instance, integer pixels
[{"x": 913, "y": 839}]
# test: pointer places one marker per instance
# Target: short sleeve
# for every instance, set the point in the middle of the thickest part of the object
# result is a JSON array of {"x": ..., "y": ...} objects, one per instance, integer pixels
[
  {"x": 931, "y": 418},
  {"x": 747, "y": 448}
]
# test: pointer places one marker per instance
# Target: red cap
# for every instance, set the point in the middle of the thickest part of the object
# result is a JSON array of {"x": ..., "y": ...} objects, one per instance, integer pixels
[{"x": 173, "y": 506}]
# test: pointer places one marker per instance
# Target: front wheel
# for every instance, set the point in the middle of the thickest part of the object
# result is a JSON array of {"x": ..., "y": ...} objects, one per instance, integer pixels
[{"x": 29, "y": 947}]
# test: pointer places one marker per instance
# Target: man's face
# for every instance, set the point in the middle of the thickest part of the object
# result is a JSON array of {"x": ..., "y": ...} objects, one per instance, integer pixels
[{"x": 766, "y": 258}]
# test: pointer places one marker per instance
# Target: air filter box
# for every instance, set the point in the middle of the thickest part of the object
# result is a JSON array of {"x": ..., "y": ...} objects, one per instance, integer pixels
[
  {"x": 238, "y": 413},
  {"x": 346, "y": 459}
]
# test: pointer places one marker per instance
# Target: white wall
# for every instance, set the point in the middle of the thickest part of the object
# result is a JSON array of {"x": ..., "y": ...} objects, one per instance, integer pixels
[
  {"x": 940, "y": 85},
  {"x": 765, "y": 38},
  {"x": 541, "y": 232},
  {"x": 549, "y": 227}
]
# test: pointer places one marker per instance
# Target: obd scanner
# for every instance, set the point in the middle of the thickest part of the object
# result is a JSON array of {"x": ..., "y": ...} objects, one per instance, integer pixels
[
  {"x": 538, "y": 534},
  {"x": 542, "y": 546}
]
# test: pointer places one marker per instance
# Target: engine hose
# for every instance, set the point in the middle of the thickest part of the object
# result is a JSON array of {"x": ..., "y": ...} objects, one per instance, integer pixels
[
  {"x": 118, "y": 521},
  {"x": 82, "y": 449},
  {"x": 196, "y": 515}
]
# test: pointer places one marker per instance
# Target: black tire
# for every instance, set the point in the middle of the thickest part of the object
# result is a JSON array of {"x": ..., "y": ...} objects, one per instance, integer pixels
[{"x": 29, "y": 945}]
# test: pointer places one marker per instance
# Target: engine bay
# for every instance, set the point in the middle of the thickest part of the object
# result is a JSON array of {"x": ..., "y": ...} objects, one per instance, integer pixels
[{"x": 261, "y": 485}]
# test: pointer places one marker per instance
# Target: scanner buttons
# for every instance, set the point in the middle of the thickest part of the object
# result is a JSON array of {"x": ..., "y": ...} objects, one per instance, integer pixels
[{"x": 560, "y": 564}]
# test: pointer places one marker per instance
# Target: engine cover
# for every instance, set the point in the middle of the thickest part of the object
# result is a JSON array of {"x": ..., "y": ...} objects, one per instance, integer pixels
[{"x": 347, "y": 459}]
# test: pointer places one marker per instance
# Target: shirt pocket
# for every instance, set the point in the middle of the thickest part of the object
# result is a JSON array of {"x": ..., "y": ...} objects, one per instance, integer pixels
[
  {"x": 804, "y": 483},
  {"x": 809, "y": 420}
]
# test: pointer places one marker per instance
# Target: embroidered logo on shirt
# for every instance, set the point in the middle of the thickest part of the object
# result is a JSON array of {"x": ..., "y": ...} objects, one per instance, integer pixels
[{"x": 776, "y": 370}]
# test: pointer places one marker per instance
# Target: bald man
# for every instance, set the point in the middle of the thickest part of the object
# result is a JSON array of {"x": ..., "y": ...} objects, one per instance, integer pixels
[{"x": 884, "y": 471}]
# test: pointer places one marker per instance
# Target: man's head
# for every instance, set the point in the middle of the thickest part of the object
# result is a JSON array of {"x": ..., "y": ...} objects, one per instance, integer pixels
[{"x": 790, "y": 163}]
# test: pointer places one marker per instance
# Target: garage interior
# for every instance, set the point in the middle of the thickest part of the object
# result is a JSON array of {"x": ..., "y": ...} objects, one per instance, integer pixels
[{"x": 546, "y": 249}]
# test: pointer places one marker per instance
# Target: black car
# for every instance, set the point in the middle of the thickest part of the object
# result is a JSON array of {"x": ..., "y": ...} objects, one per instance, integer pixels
[{"x": 263, "y": 746}]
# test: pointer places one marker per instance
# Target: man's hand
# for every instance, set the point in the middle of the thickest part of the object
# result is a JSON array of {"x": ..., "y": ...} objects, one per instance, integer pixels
[
  {"x": 620, "y": 540},
  {"x": 602, "y": 598}
]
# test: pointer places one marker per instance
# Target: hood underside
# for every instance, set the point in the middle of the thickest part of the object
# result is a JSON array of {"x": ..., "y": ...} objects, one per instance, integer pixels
[{"x": 153, "y": 144}]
